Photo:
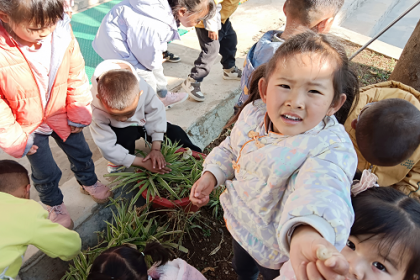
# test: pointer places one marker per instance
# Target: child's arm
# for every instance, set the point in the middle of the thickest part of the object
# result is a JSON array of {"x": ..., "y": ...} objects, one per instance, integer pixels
[
  {"x": 321, "y": 200},
  {"x": 79, "y": 113},
  {"x": 156, "y": 156},
  {"x": 53, "y": 239},
  {"x": 213, "y": 24},
  {"x": 410, "y": 185}
]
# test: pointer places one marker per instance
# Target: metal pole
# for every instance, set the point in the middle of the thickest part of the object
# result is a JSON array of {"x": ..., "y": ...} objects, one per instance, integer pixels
[{"x": 384, "y": 30}]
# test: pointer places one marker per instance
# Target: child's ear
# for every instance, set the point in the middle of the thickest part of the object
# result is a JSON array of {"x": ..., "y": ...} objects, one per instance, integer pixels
[
  {"x": 182, "y": 12},
  {"x": 324, "y": 26},
  {"x": 262, "y": 88},
  {"x": 335, "y": 107},
  {"x": 28, "y": 191},
  {"x": 354, "y": 124},
  {"x": 4, "y": 17}
]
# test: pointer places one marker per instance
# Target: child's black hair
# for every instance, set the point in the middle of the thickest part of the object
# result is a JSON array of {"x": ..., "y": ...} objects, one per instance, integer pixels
[
  {"x": 38, "y": 12},
  {"x": 193, "y": 6},
  {"x": 388, "y": 131},
  {"x": 306, "y": 10},
  {"x": 126, "y": 263},
  {"x": 12, "y": 176},
  {"x": 329, "y": 47},
  {"x": 394, "y": 218}
]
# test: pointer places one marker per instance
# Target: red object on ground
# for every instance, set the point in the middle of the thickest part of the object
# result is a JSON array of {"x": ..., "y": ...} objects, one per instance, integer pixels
[{"x": 184, "y": 203}]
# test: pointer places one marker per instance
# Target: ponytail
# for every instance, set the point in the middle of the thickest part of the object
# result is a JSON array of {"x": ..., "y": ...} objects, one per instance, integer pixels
[{"x": 253, "y": 93}]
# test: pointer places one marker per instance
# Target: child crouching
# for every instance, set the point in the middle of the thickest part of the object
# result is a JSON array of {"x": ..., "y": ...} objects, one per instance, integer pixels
[
  {"x": 126, "y": 108},
  {"x": 26, "y": 223}
]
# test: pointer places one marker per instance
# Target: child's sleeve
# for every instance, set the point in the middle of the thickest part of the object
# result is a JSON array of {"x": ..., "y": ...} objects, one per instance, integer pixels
[
  {"x": 321, "y": 197},
  {"x": 53, "y": 239},
  {"x": 105, "y": 138},
  {"x": 214, "y": 23},
  {"x": 78, "y": 94},
  {"x": 13, "y": 140},
  {"x": 146, "y": 45},
  {"x": 155, "y": 114},
  {"x": 410, "y": 185}
]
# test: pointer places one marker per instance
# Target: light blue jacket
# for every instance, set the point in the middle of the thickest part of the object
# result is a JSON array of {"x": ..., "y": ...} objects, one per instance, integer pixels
[
  {"x": 276, "y": 182},
  {"x": 261, "y": 52},
  {"x": 137, "y": 31}
]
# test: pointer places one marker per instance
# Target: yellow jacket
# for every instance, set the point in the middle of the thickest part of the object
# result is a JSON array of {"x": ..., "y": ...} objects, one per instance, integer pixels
[
  {"x": 406, "y": 175},
  {"x": 24, "y": 222},
  {"x": 228, "y": 8}
]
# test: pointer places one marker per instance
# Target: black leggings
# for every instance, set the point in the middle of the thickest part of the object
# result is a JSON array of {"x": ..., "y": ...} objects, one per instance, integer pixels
[{"x": 127, "y": 136}]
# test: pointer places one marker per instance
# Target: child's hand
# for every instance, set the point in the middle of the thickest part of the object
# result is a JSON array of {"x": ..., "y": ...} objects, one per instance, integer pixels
[
  {"x": 157, "y": 159},
  {"x": 32, "y": 150},
  {"x": 313, "y": 257},
  {"x": 201, "y": 190},
  {"x": 214, "y": 35},
  {"x": 75, "y": 129},
  {"x": 150, "y": 166}
]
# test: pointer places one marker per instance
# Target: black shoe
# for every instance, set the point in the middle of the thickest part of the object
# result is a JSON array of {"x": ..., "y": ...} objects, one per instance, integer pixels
[{"x": 170, "y": 57}]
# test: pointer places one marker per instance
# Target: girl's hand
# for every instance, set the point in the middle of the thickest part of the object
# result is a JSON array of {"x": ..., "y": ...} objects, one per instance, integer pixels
[
  {"x": 157, "y": 159},
  {"x": 214, "y": 35},
  {"x": 32, "y": 150},
  {"x": 313, "y": 257},
  {"x": 201, "y": 190},
  {"x": 75, "y": 129}
]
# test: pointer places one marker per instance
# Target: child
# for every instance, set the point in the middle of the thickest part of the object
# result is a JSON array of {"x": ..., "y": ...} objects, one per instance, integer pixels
[
  {"x": 26, "y": 223},
  {"x": 317, "y": 15},
  {"x": 288, "y": 162},
  {"x": 383, "y": 242},
  {"x": 45, "y": 92},
  {"x": 385, "y": 130},
  {"x": 137, "y": 31},
  {"x": 216, "y": 35},
  {"x": 126, "y": 263},
  {"x": 126, "y": 108}
]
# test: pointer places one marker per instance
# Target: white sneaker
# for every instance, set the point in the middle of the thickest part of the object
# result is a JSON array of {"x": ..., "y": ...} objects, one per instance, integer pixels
[
  {"x": 173, "y": 98},
  {"x": 193, "y": 88},
  {"x": 233, "y": 73},
  {"x": 113, "y": 168}
]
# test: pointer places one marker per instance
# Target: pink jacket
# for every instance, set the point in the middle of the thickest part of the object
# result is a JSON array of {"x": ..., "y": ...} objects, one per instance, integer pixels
[{"x": 21, "y": 110}]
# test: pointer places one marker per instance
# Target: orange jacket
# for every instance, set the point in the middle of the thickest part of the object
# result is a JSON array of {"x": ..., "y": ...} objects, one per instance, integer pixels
[{"x": 21, "y": 110}]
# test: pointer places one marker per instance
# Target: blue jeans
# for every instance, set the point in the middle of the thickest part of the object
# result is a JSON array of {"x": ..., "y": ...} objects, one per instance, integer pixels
[{"x": 45, "y": 172}]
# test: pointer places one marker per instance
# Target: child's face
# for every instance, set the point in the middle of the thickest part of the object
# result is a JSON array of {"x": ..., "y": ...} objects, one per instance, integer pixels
[
  {"x": 191, "y": 19},
  {"x": 299, "y": 93},
  {"x": 125, "y": 114},
  {"x": 367, "y": 263},
  {"x": 29, "y": 34}
]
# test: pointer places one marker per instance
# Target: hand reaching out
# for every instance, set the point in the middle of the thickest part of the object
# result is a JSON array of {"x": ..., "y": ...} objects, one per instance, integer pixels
[
  {"x": 214, "y": 35},
  {"x": 201, "y": 190},
  {"x": 313, "y": 257}
]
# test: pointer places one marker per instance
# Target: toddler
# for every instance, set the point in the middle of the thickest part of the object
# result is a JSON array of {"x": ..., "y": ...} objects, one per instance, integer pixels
[
  {"x": 383, "y": 242},
  {"x": 288, "y": 163},
  {"x": 385, "y": 130},
  {"x": 317, "y": 15},
  {"x": 126, "y": 108},
  {"x": 45, "y": 92},
  {"x": 137, "y": 31},
  {"x": 215, "y": 35},
  {"x": 126, "y": 263},
  {"x": 26, "y": 223}
]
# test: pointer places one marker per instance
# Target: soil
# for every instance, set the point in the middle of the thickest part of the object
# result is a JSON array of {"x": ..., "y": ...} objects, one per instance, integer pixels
[{"x": 219, "y": 265}]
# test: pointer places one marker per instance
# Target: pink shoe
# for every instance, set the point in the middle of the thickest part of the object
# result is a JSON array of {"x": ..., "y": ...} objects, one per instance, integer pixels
[
  {"x": 58, "y": 214},
  {"x": 99, "y": 192},
  {"x": 173, "y": 98}
]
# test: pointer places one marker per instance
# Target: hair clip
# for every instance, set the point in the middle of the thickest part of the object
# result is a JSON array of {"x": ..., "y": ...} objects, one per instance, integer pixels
[
  {"x": 142, "y": 253},
  {"x": 367, "y": 181}
]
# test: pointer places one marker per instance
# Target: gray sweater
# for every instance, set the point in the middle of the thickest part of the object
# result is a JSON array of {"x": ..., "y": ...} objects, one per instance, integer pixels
[{"x": 150, "y": 113}]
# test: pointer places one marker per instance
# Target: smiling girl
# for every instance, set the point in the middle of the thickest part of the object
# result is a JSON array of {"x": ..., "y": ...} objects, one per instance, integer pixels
[{"x": 288, "y": 163}]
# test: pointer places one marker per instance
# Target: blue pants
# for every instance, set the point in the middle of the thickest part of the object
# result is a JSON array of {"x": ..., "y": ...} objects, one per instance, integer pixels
[
  {"x": 247, "y": 268},
  {"x": 45, "y": 172}
]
